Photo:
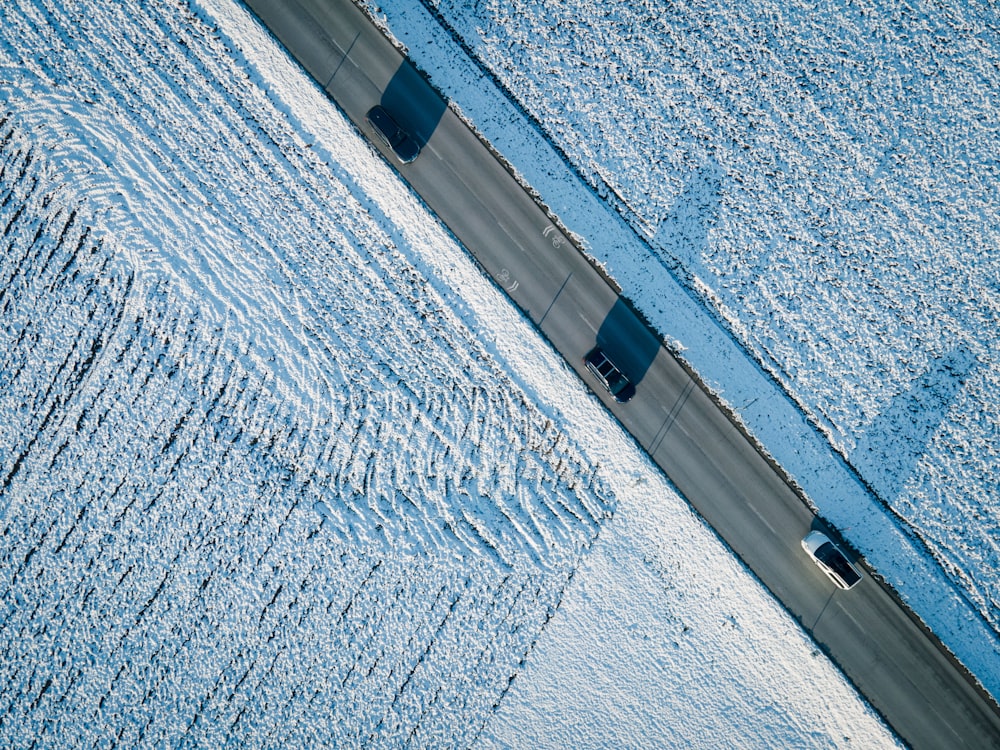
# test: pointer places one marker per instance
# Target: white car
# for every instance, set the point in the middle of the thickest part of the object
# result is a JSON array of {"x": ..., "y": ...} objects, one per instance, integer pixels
[{"x": 831, "y": 560}]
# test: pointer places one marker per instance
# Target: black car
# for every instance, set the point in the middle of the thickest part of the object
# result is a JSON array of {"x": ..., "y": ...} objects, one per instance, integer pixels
[
  {"x": 387, "y": 129},
  {"x": 610, "y": 376}
]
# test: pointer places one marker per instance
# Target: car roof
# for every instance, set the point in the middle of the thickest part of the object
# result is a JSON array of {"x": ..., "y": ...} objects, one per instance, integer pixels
[{"x": 832, "y": 558}]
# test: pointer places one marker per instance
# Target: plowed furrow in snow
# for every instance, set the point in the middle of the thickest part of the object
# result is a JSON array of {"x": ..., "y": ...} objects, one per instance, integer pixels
[{"x": 209, "y": 333}]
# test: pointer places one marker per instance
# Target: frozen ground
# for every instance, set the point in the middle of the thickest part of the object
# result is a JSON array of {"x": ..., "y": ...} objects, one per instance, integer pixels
[
  {"x": 263, "y": 484},
  {"x": 815, "y": 187}
]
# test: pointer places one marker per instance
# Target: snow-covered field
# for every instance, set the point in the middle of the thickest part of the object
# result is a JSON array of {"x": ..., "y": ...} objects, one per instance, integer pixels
[
  {"x": 278, "y": 468},
  {"x": 815, "y": 186}
]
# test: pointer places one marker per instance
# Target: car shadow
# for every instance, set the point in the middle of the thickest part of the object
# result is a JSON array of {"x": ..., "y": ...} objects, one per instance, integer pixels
[
  {"x": 413, "y": 104},
  {"x": 627, "y": 342}
]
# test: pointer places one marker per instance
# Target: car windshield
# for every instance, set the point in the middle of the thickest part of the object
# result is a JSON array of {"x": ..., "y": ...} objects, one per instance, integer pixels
[
  {"x": 834, "y": 559},
  {"x": 616, "y": 382}
]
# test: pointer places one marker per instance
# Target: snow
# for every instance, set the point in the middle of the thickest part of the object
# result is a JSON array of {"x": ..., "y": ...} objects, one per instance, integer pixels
[
  {"x": 650, "y": 650},
  {"x": 803, "y": 200},
  {"x": 279, "y": 467}
]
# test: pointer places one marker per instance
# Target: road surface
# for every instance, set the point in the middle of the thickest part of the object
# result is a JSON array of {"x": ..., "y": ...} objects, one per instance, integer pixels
[{"x": 900, "y": 668}]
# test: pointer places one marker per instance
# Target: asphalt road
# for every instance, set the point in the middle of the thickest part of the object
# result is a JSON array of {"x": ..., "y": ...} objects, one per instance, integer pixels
[{"x": 898, "y": 666}]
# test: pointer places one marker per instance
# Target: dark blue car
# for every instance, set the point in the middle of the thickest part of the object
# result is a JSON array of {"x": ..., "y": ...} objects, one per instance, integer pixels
[
  {"x": 389, "y": 132},
  {"x": 609, "y": 375}
]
